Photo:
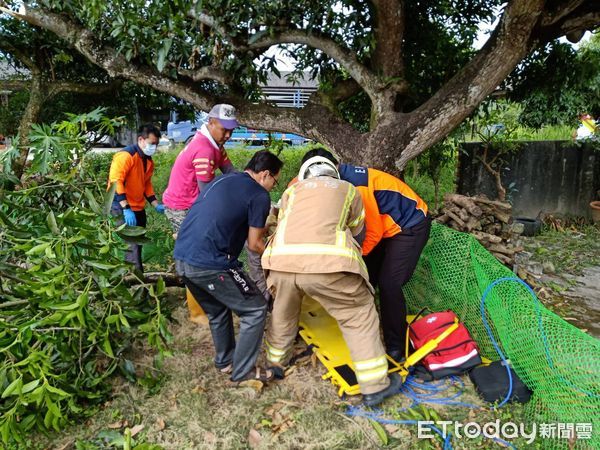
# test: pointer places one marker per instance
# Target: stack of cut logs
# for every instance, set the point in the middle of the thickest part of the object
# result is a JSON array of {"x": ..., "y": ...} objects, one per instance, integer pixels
[{"x": 489, "y": 221}]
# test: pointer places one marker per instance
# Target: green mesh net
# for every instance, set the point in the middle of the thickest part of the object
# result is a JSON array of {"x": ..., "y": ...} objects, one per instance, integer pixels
[{"x": 557, "y": 361}]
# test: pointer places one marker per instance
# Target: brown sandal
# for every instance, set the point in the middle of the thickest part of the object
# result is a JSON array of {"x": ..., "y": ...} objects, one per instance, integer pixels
[{"x": 259, "y": 374}]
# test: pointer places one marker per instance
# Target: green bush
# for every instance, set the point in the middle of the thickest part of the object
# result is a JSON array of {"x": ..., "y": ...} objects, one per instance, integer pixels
[{"x": 69, "y": 307}]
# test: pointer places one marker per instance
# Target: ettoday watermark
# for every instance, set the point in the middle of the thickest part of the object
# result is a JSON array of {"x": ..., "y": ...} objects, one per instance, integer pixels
[{"x": 505, "y": 431}]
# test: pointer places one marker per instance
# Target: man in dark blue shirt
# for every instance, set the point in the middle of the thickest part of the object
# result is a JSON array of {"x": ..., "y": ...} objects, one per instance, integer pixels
[{"x": 229, "y": 211}]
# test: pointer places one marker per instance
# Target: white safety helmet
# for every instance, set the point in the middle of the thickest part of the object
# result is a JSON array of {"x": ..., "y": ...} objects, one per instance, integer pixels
[{"x": 318, "y": 166}]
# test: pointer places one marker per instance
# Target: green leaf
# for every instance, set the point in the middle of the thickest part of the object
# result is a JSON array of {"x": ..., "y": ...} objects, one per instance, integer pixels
[
  {"x": 82, "y": 300},
  {"x": 94, "y": 206},
  {"x": 108, "y": 198},
  {"x": 51, "y": 220},
  {"x": 4, "y": 218},
  {"x": 38, "y": 248},
  {"x": 30, "y": 386},
  {"x": 100, "y": 265},
  {"x": 56, "y": 391},
  {"x": 107, "y": 347},
  {"x": 64, "y": 306},
  {"x": 160, "y": 286},
  {"x": 381, "y": 433},
  {"x": 132, "y": 231},
  {"x": 162, "y": 54},
  {"x": 13, "y": 388},
  {"x": 134, "y": 239}
]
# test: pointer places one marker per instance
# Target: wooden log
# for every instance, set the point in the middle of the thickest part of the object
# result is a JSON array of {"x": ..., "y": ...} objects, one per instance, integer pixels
[
  {"x": 456, "y": 219},
  {"x": 506, "y": 260},
  {"x": 504, "y": 249},
  {"x": 444, "y": 218},
  {"x": 464, "y": 202},
  {"x": 497, "y": 204},
  {"x": 481, "y": 236},
  {"x": 473, "y": 224}
]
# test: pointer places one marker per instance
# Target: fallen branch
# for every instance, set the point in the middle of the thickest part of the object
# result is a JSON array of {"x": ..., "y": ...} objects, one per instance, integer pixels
[{"x": 169, "y": 278}]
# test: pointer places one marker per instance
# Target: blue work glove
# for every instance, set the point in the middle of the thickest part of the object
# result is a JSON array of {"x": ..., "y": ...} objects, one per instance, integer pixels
[
  {"x": 129, "y": 217},
  {"x": 160, "y": 208}
]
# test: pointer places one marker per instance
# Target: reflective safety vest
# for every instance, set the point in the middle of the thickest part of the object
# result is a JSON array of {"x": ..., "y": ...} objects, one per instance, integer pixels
[
  {"x": 316, "y": 224},
  {"x": 390, "y": 204},
  {"x": 132, "y": 171}
]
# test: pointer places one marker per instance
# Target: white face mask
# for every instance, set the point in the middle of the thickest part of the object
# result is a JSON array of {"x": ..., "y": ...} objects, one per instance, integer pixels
[{"x": 150, "y": 149}]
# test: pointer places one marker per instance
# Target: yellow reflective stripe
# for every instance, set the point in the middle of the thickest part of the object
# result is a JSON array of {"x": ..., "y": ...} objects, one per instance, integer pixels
[
  {"x": 368, "y": 375},
  {"x": 274, "y": 350},
  {"x": 283, "y": 217},
  {"x": 274, "y": 354},
  {"x": 313, "y": 249},
  {"x": 358, "y": 219},
  {"x": 370, "y": 363},
  {"x": 340, "y": 239}
]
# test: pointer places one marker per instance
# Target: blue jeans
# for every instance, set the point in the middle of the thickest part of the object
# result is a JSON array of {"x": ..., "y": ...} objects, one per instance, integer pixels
[{"x": 221, "y": 292}]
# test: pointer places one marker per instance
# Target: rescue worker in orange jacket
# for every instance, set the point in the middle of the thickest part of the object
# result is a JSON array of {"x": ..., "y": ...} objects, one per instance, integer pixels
[
  {"x": 397, "y": 229},
  {"x": 132, "y": 169},
  {"x": 315, "y": 252}
]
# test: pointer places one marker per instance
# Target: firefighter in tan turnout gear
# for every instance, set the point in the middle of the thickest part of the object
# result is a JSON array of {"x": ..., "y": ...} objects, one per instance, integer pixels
[{"x": 315, "y": 252}]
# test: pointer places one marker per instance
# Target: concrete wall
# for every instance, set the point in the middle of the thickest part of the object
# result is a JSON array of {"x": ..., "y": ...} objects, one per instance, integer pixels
[{"x": 549, "y": 176}]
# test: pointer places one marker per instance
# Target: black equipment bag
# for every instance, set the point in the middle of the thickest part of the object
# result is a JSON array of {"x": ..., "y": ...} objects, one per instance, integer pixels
[{"x": 491, "y": 383}]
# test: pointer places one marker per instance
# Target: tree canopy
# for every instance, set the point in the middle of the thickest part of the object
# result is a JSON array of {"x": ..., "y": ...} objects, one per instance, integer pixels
[{"x": 395, "y": 76}]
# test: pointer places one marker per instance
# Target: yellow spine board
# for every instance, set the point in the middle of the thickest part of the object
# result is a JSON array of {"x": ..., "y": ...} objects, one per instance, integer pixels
[{"x": 319, "y": 329}]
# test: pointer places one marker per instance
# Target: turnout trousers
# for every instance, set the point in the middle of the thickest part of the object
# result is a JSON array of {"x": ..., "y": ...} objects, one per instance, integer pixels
[{"x": 346, "y": 297}]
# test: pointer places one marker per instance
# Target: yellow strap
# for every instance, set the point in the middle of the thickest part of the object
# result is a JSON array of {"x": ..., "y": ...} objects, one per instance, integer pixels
[{"x": 430, "y": 345}]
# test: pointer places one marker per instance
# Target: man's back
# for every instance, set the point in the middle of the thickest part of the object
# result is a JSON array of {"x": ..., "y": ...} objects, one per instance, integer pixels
[
  {"x": 213, "y": 233},
  {"x": 317, "y": 220}
]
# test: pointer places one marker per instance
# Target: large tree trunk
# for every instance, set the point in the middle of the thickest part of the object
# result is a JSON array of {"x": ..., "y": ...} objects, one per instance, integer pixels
[{"x": 31, "y": 115}]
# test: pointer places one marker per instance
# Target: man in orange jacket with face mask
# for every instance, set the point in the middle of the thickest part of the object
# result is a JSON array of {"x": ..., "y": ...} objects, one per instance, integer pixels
[
  {"x": 397, "y": 228},
  {"x": 132, "y": 169}
]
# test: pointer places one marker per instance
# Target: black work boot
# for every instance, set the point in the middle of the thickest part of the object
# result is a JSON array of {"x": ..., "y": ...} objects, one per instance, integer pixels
[
  {"x": 396, "y": 355},
  {"x": 377, "y": 397}
]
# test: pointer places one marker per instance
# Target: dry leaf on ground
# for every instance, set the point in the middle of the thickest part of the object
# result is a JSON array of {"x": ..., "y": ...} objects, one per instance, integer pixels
[
  {"x": 254, "y": 384},
  {"x": 160, "y": 424},
  {"x": 136, "y": 429},
  {"x": 254, "y": 438}
]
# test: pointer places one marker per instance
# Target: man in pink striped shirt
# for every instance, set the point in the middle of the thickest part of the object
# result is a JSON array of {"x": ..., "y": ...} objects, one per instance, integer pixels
[{"x": 195, "y": 166}]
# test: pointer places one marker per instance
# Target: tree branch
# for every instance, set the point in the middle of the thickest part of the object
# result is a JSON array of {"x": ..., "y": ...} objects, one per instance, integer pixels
[
  {"x": 343, "y": 56},
  {"x": 109, "y": 59},
  {"x": 19, "y": 53},
  {"x": 508, "y": 45},
  {"x": 206, "y": 73},
  {"x": 341, "y": 91},
  {"x": 14, "y": 85},
  {"x": 82, "y": 88},
  {"x": 389, "y": 34},
  {"x": 314, "y": 121},
  {"x": 552, "y": 17}
]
